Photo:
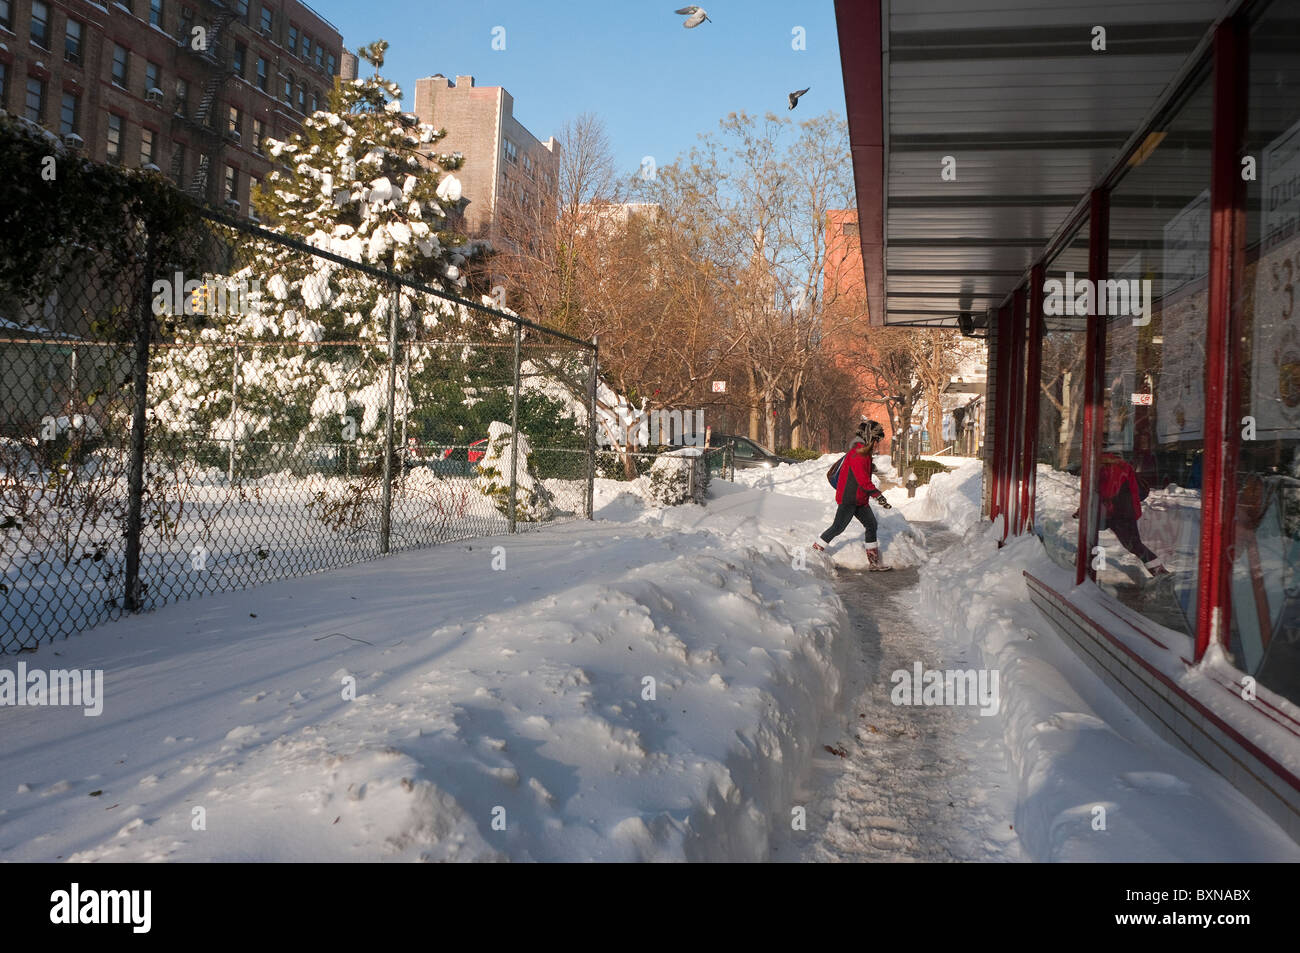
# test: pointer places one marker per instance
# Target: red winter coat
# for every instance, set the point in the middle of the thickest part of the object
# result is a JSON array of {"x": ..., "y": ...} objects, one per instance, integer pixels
[
  {"x": 858, "y": 462},
  {"x": 1112, "y": 478}
]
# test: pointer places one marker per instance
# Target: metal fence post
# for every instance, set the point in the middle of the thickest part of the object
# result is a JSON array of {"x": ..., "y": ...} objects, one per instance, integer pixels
[
  {"x": 131, "y": 600},
  {"x": 72, "y": 393},
  {"x": 234, "y": 411},
  {"x": 591, "y": 428},
  {"x": 514, "y": 431},
  {"x": 386, "y": 506},
  {"x": 406, "y": 413}
]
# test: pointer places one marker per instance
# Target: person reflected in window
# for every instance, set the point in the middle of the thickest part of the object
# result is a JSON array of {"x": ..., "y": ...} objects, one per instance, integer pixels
[{"x": 1121, "y": 494}]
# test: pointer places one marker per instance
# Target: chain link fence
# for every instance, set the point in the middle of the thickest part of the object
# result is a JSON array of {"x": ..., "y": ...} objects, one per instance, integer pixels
[{"x": 287, "y": 411}]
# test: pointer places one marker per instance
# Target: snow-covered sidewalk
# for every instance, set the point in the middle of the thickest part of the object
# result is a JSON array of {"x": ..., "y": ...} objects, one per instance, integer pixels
[
  {"x": 614, "y": 691},
  {"x": 1064, "y": 772}
]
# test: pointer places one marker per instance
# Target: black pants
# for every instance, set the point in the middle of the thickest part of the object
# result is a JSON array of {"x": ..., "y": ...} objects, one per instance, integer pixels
[
  {"x": 850, "y": 509},
  {"x": 1126, "y": 531},
  {"x": 845, "y": 514}
]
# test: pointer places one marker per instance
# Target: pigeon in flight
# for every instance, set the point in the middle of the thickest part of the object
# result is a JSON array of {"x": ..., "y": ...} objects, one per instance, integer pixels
[
  {"x": 794, "y": 97},
  {"x": 694, "y": 16}
]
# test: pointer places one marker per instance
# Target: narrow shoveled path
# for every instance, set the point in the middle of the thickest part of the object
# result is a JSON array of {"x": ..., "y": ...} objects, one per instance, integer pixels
[{"x": 908, "y": 783}]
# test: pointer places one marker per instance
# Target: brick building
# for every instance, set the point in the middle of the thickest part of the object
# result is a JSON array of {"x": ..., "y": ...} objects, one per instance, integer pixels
[
  {"x": 504, "y": 162},
  {"x": 845, "y": 289},
  {"x": 192, "y": 87}
]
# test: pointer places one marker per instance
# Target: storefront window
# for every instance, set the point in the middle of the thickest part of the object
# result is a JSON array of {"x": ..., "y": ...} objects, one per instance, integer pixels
[
  {"x": 1264, "y": 638},
  {"x": 1148, "y": 499},
  {"x": 1060, "y": 410}
]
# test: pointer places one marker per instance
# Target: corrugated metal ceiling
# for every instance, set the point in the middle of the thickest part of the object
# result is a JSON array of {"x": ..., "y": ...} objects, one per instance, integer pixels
[{"x": 1032, "y": 116}]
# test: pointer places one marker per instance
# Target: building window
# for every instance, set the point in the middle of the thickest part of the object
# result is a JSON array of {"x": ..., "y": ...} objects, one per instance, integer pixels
[
  {"x": 178, "y": 160},
  {"x": 241, "y": 54},
  {"x": 114, "y": 138},
  {"x": 320, "y": 56},
  {"x": 241, "y": 7},
  {"x": 121, "y": 60},
  {"x": 268, "y": 20},
  {"x": 306, "y": 46},
  {"x": 182, "y": 97},
  {"x": 6, "y": 14},
  {"x": 331, "y": 64},
  {"x": 1154, "y": 401},
  {"x": 152, "y": 77},
  {"x": 261, "y": 75},
  {"x": 288, "y": 89},
  {"x": 72, "y": 42},
  {"x": 512, "y": 152},
  {"x": 315, "y": 102},
  {"x": 293, "y": 38},
  {"x": 148, "y": 150},
  {"x": 302, "y": 99},
  {"x": 156, "y": 13},
  {"x": 4, "y": 84},
  {"x": 1265, "y": 579},
  {"x": 232, "y": 184},
  {"x": 259, "y": 132},
  {"x": 34, "y": 107},
  {"x": 68, "y": 114},
  {"x": 41, "y": 24},
  {"x": 235, "y": 121}
]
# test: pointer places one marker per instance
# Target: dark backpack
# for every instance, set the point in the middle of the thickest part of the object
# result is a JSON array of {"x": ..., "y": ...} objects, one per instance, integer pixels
[{"x": 833, "y": 474}]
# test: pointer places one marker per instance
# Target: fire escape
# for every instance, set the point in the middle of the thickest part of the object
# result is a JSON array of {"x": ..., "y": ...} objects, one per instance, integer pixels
[{"x": 205, "y": 122}]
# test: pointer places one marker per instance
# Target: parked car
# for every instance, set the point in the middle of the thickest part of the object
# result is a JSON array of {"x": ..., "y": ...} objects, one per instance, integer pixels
[
  {"x": 745, "y": 453},
  {"x": 447, "y": 461}
]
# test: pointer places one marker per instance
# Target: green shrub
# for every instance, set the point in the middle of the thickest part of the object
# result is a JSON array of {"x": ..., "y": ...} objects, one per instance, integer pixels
[
  {"x": 924, "y": 469},
  {"x": 799, "y": 453}
]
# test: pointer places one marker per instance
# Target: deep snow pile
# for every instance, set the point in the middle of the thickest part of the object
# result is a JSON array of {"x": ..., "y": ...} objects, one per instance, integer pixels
[
  {"x": 798, "y": 504},
  {"x": 595, "y": 691},
  {"x": 950, "y": 498},
  {"x": 1075, "y": 745}
]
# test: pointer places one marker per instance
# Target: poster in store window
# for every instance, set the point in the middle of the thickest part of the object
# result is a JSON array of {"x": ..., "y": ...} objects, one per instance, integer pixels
[
  {"x": 1121, "y": 370},
  {"x": 1275, "y": 396},
  {"x": 1180, "y": 392}
]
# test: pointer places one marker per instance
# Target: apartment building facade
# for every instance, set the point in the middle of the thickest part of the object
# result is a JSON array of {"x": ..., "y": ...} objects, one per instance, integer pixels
[
  {"x": 192, "y": 88},
  {"x": 507, "y": 168}
]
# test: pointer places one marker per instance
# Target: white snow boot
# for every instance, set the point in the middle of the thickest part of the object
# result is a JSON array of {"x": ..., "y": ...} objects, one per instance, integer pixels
[{"x": 874, "y": 562}]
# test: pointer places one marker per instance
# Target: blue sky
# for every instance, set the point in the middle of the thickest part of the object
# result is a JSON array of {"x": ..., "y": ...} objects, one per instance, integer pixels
[{"x": 655, "y": 84}]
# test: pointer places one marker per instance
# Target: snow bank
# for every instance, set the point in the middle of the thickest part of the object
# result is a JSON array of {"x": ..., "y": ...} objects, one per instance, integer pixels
[
  {"x": 605, "y": 691},
  {"x": 776, "y": 521},
  {"x": 800, "y": 509},
  {"x": 1075, "y": 745},
  {"x": 951, "y": 498}
]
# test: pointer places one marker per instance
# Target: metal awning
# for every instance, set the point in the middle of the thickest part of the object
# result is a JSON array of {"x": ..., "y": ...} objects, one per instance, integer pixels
[{"x": 1030, "y": 114}]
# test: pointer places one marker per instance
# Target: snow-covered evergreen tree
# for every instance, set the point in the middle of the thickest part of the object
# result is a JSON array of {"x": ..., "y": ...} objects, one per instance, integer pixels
[
  {"x": 352, "y": 183},
  {"x": 533, "y": 501}
]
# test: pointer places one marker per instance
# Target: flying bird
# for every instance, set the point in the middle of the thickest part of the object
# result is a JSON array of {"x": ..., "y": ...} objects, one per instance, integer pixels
[
  {"x": 694, "y": 16},
  {"x": 794, "y": 97}
]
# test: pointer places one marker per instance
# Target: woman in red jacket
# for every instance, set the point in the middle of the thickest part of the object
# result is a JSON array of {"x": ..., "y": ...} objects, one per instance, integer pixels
[
  {"x": 1121, "y": 508},
  {"x": 855, "y": 490}
]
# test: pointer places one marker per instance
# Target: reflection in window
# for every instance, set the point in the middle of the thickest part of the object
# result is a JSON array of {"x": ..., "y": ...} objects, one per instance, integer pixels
[
  {"x": 1265, "y": 589},
  {"x": 1060, "y": 412},
  {"x": 1148, "y": 499}
]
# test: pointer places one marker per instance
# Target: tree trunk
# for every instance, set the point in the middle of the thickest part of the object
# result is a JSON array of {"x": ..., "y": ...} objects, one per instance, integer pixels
[
  {"x": 769, "y": 414},
  {"x": 796, "y": 412},
  {"x": 753, "y": 402},
  {"x": 934, "y": 424}
]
